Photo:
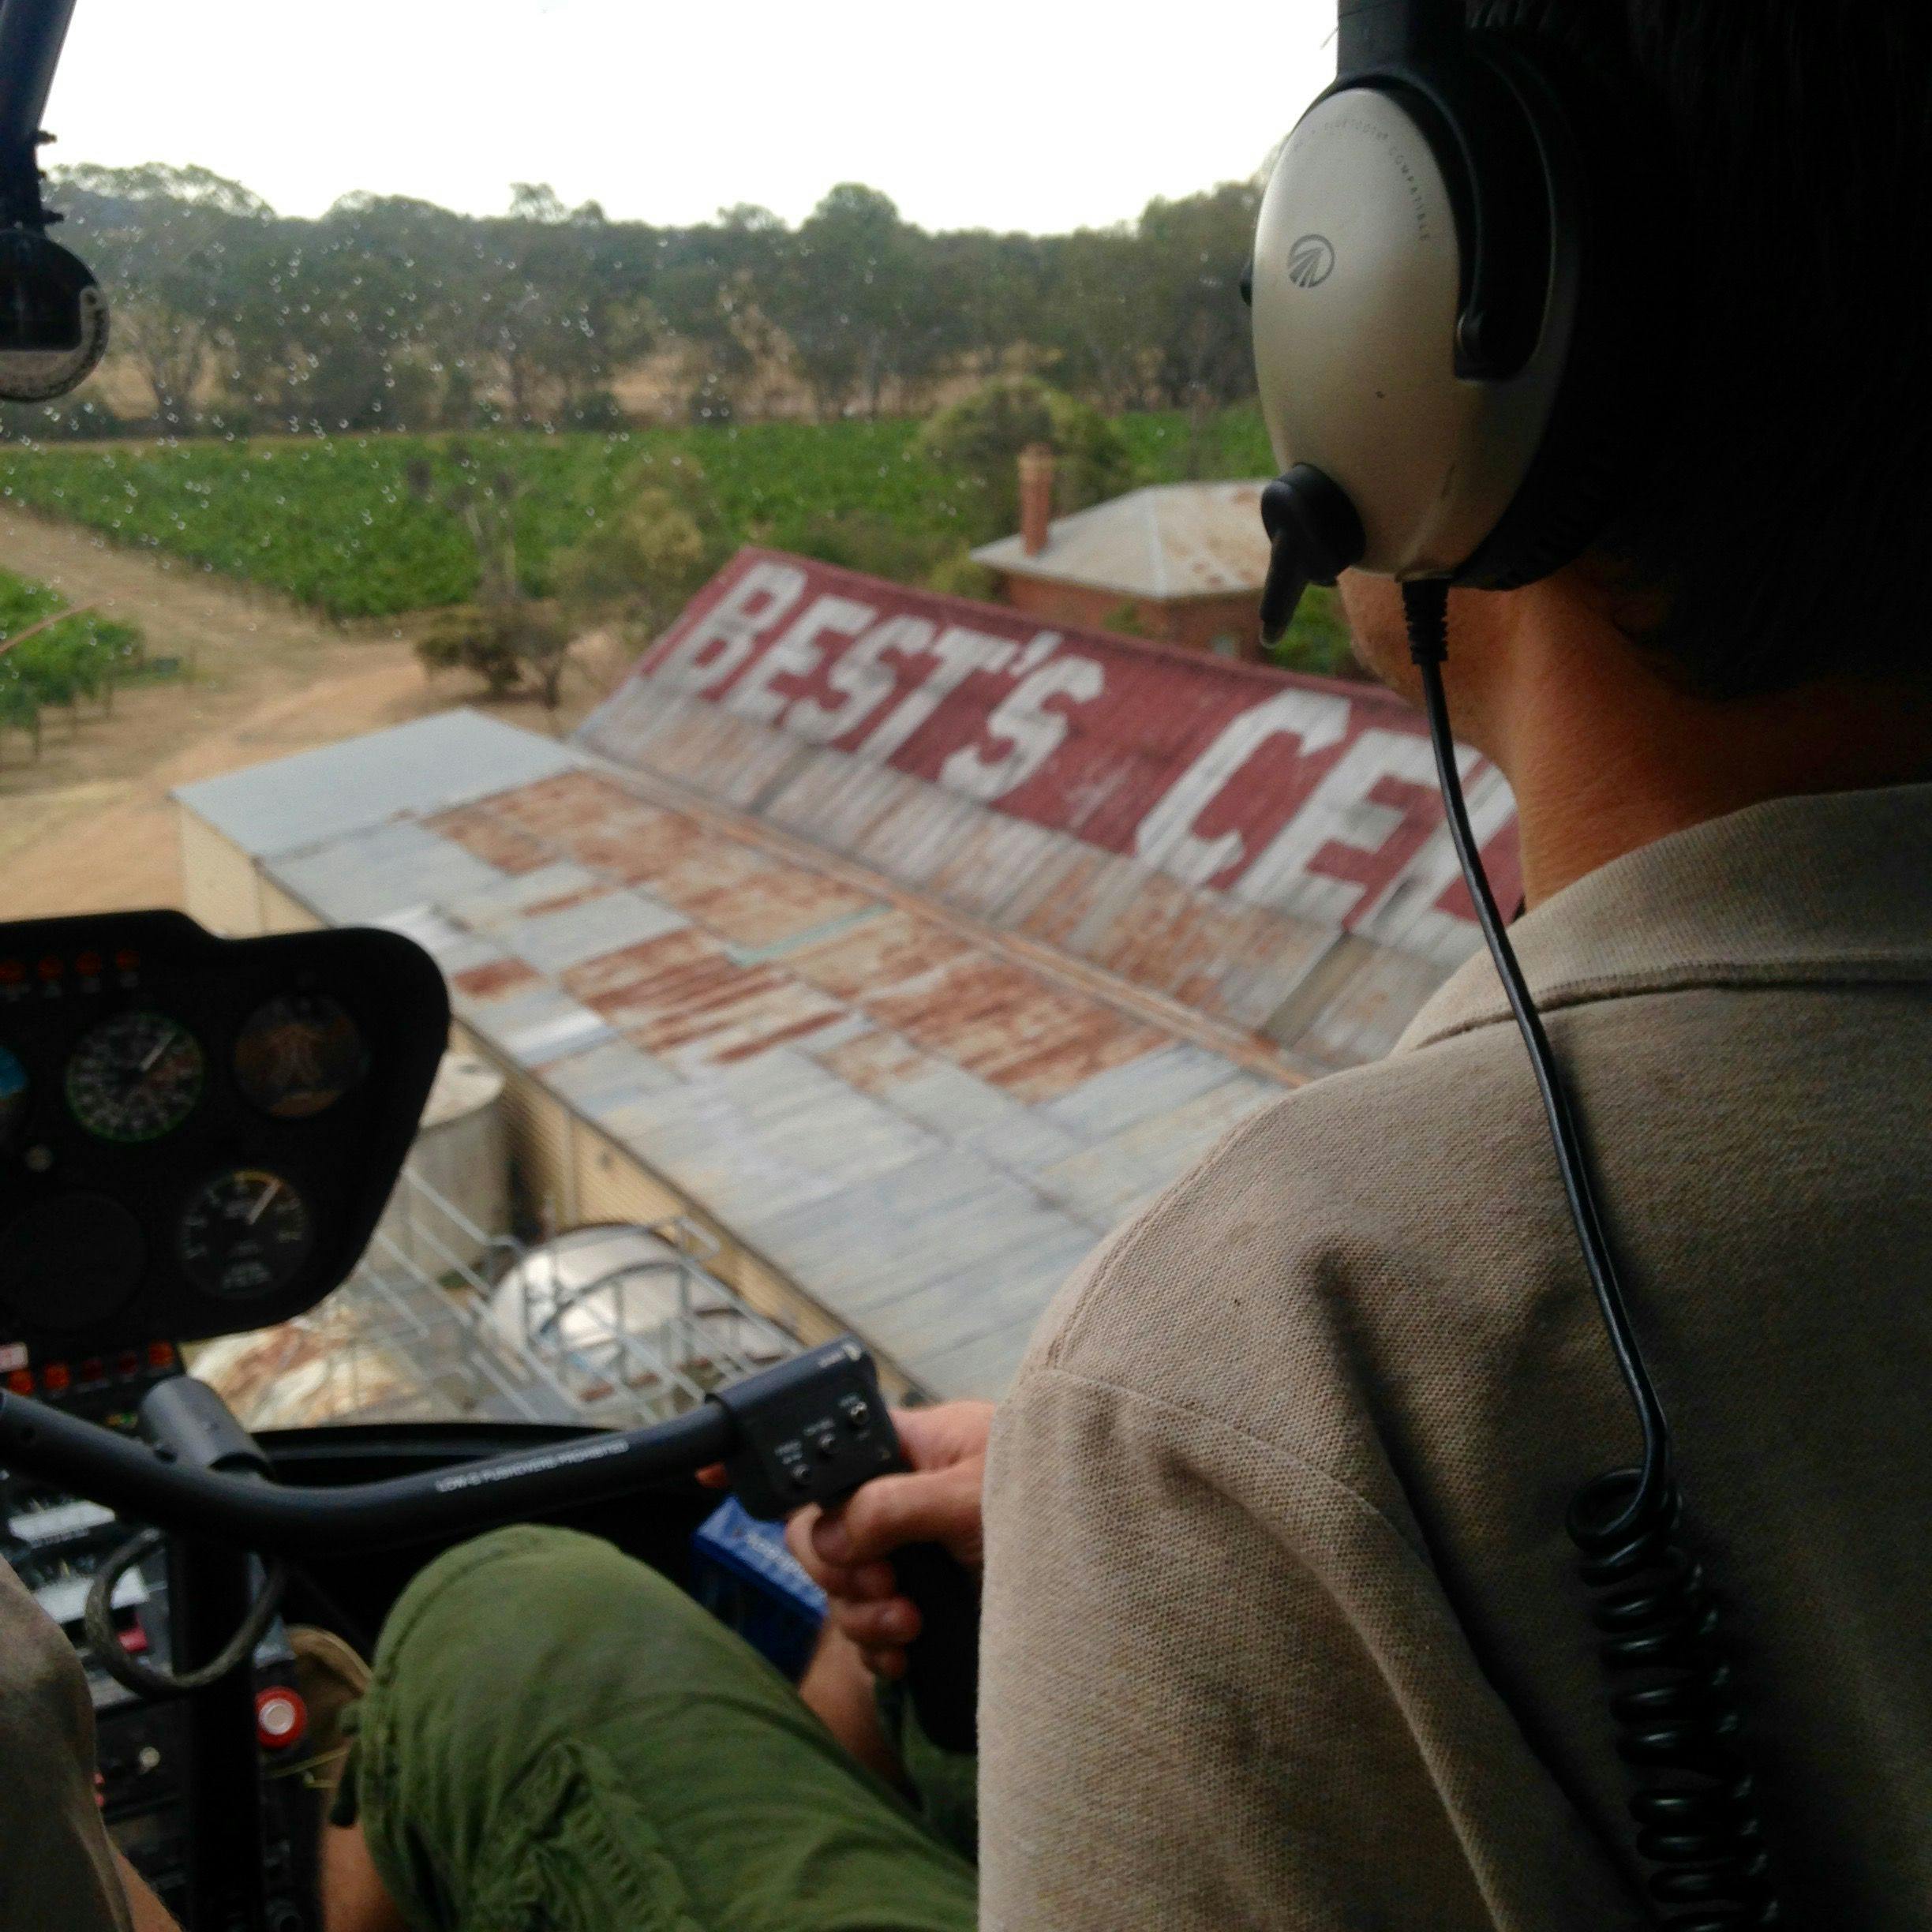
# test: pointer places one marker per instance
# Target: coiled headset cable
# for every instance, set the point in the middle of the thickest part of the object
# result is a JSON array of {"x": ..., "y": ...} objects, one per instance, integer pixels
[
  {"x": 154, "y": 1681},
  {"x": 1672, "y": 1694}
]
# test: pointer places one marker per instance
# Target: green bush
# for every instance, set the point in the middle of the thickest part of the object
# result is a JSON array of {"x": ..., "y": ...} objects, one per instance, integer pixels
[
  {"x": 525, "y": 645},
  {"x": 641, "y": 563},
  {"x": 84, "y": 656},
  {"x": 980, "y": 437},
  {"x": 957, "y": 574}
]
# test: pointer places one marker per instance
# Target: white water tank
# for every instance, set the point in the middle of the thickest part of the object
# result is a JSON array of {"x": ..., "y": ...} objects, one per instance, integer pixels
[
  {"x": 454, "y": 1199},
  {"x": 619, "y": 1313}
]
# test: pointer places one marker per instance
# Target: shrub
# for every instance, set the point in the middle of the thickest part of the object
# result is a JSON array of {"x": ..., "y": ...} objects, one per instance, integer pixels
[
  {"x": 523, "y": 644},
  {"x": 981, "y": 436},
  {"x": 642, "y": 561},
  {"x": 81, "y": 656},
  {"x": 958, "y": 576}
]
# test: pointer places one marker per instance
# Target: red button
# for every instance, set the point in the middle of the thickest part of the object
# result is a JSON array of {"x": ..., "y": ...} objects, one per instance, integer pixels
[
  {"x": 127, "y": 1363},
  {"x": 21, "y": 1381},
  {"x": 88, "y": 965},
  {"x": 54, "y": 1377},
  {"x": 51, "y": 967},
  {"x": 281, "y": 1718},
  {"x": 160, "y": 1354}
]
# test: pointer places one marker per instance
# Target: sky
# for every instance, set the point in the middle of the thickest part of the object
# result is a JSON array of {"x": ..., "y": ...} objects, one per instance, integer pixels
[{"x": 1043, "y": 115}]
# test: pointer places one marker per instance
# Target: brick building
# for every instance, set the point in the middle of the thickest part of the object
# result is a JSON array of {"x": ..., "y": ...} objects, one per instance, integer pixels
[{"x": 1183, "y": 563}]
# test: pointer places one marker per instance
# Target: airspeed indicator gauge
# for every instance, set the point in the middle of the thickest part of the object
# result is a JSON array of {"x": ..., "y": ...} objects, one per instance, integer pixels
[
  {"x": 134, "y": 1077},
  {"x": 245, "y": 1234}
]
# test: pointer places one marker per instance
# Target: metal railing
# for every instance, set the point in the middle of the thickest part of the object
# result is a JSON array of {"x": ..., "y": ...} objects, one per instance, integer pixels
[{"x": 443, "y": 1319}]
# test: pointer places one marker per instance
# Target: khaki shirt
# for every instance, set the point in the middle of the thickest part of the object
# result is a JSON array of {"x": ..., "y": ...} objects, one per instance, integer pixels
[
  {"x": 1281, "y": 1626},
  {"x": 57, "y": 1873}
]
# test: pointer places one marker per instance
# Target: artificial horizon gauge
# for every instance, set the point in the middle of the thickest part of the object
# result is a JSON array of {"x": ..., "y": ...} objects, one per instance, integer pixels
[
  {"x": 13, "y": 1097},
  {"x": 134, "y": 1077},
  {"x": 246, "y": 1234},
  {"x": 298, "y": 1055}
]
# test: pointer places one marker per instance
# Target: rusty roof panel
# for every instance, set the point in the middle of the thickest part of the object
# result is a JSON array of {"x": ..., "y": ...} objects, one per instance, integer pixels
[
  {"x": 493, "y": 838},
  {"x": 999, "y": 1023},
  {"x": 868, "y": 959},
  {"x": 690, "y": 741},
  {"x": 587, "y": 928}
]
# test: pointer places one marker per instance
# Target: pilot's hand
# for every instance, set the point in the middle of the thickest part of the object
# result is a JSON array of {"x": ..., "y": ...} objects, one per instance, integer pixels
[{"x": 847, "y": 1550}]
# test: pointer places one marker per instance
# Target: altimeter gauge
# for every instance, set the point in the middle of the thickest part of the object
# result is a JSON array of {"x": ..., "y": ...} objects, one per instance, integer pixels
[
  {"x": 134, "y": 1077},
  {"x": 246, "y": 1233}
]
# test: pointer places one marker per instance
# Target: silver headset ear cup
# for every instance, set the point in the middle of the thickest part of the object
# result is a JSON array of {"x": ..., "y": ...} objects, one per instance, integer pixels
[
  {"x": 1493, "y": 481},
  {"x": 1357, "y": 284}
]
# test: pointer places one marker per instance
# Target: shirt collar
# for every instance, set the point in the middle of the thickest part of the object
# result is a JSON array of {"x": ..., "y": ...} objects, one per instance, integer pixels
[{"x": 1832, "y": 887}]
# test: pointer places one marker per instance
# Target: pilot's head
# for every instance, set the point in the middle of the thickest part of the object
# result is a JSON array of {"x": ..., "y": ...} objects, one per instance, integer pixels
[{"x": 1774, "y": 363}]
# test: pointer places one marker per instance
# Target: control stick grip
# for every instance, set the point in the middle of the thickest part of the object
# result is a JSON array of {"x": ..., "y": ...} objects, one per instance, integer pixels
[
  {"x": 942, "y": 1665},
  {"x": 814, "y": 1428}
]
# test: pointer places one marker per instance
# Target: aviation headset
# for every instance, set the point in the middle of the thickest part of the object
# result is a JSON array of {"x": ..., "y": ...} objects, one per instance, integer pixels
[{"x": 1438, "y": 319}]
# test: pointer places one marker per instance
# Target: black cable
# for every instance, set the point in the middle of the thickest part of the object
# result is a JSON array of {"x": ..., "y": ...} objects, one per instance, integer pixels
[
  {"x": 150, "y": 1680},
  {"x": 1426, "y": 606},
  {"x": 1673, "y": 1696}
]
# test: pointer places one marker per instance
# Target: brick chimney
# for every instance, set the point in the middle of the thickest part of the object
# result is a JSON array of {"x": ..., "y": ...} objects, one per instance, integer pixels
[{"x": 1036, "y": 492}]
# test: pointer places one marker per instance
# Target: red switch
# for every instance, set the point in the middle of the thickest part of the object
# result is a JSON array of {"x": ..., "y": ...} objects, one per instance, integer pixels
[{"x": 281, "y": 1717}]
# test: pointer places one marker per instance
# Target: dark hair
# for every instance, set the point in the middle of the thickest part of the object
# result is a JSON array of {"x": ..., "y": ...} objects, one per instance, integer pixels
[{"x": 1780, "y": 519}]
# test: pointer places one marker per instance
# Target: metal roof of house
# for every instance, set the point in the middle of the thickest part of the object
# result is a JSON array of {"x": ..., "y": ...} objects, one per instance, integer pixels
[
  {"x": 418, "y": 767},
  {"x": 1170, "y": 540},
  {"x": 916, "y": 943}
]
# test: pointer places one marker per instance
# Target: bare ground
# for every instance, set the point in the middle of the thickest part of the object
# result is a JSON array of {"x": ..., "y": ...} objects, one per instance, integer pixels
[{"x": 88, "y": 826}]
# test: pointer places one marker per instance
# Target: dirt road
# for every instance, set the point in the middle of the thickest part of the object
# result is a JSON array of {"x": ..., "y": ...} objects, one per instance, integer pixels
[{"x": 88, "y": 826}]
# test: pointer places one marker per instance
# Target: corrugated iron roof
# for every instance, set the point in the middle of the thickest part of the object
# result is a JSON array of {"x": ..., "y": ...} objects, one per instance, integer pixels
[
  {"x": 916, "y": 944},
  {"x": 921, "y": 1130},
  {"x": 1169, "y": 540}
]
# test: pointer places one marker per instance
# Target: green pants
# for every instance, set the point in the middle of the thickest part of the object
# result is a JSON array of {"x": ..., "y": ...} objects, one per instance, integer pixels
[{"x": 558, "y": 1740}]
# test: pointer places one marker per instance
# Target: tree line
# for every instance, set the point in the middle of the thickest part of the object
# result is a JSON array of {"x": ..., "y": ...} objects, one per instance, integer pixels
[{"x": 388, "y": 312}]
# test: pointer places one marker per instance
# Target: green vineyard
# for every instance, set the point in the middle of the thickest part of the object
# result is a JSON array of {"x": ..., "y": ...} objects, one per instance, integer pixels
[{"x": 334, "y": 523}]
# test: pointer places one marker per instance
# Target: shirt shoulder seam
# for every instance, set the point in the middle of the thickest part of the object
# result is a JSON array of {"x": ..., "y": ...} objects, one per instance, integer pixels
[
  {"x": 1703, "y": 976},
  {"x": 1127, "y": 1392}
]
